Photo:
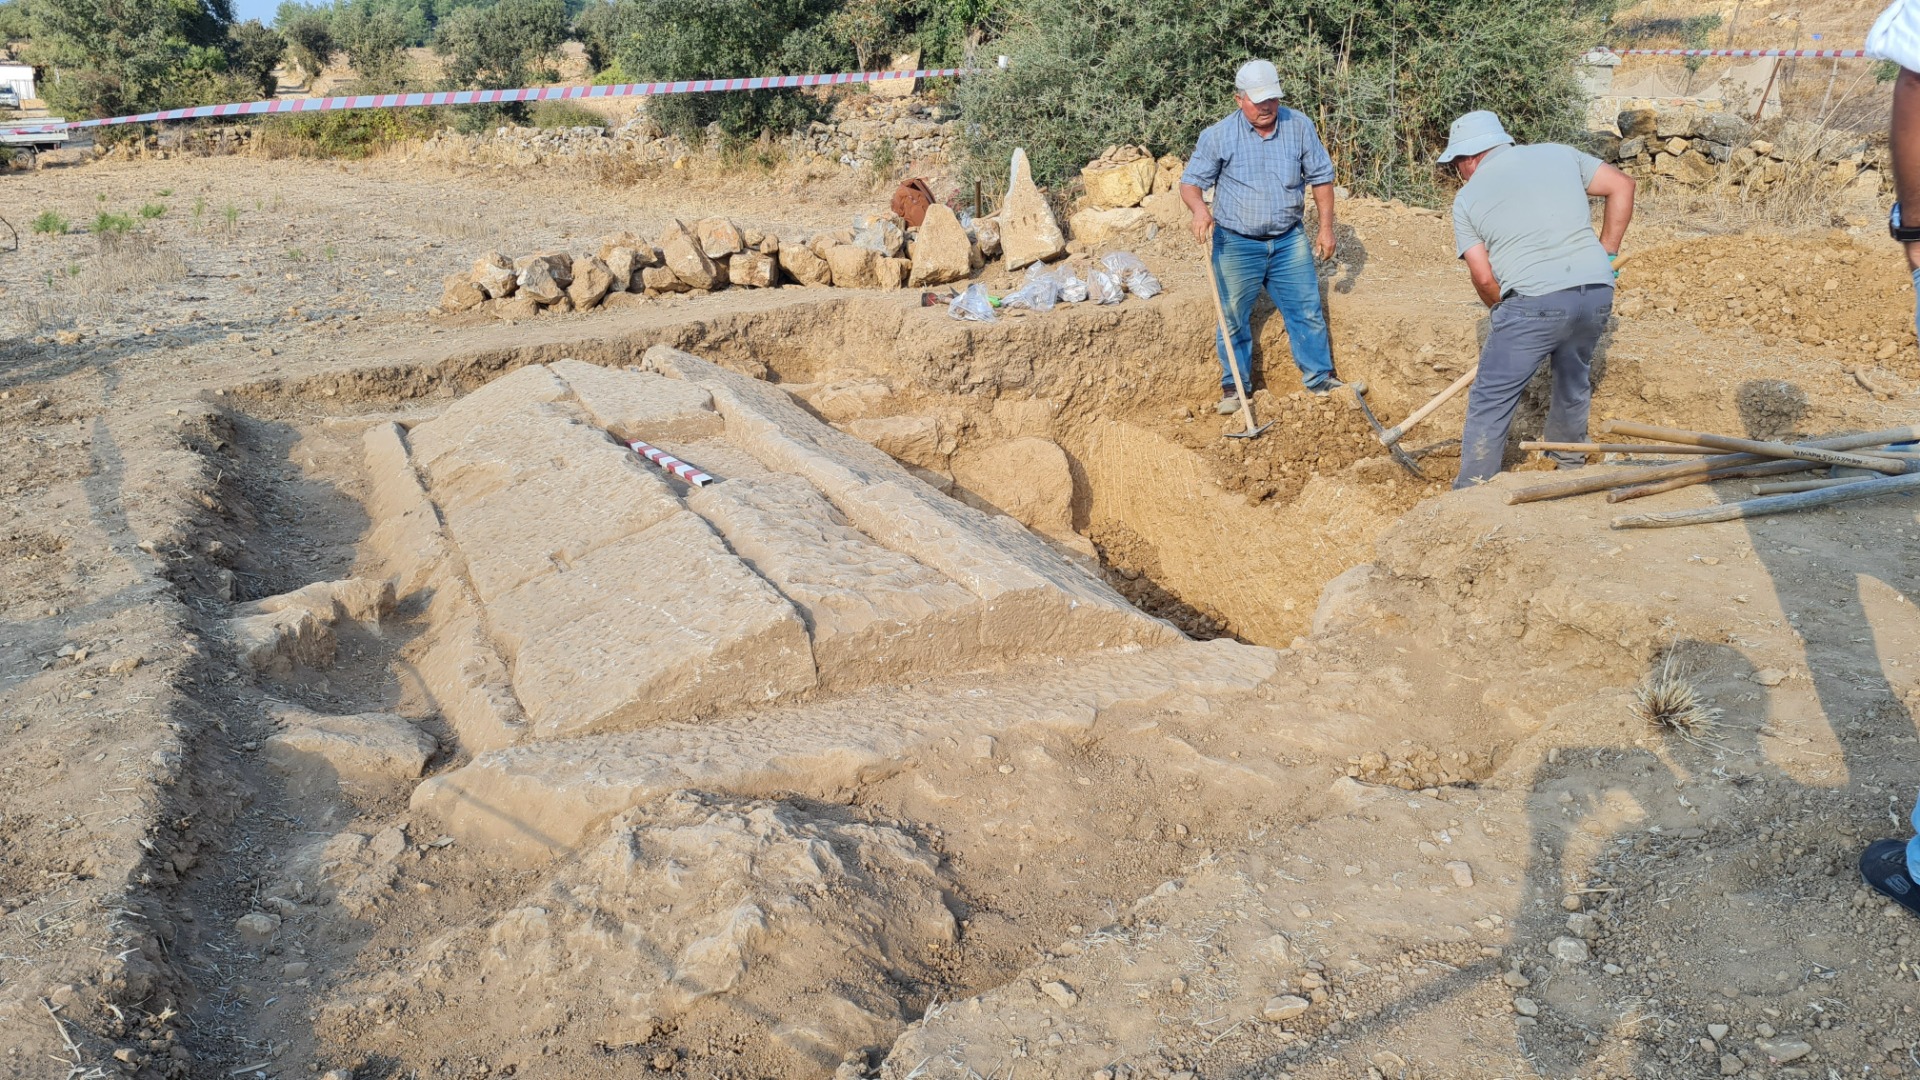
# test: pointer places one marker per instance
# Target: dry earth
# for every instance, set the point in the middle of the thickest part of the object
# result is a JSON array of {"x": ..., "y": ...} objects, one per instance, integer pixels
[{"x": 1001, "y": 824}]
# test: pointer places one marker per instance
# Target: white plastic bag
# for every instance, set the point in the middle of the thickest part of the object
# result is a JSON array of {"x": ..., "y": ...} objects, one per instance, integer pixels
[
  {"x": 1123, "y": 264},
  {"x": 1144, "y": 285},
  {"x": 972, "y": 305},
  {"x": 1072, "y": 289},
  {"x": 1104, "y": 288},
  {"x": 1038, "y": 294}
]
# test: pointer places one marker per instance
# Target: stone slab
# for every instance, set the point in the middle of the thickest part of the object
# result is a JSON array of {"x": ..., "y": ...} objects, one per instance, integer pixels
[
  {"x": 537, "y": 800},
  {"x": 640, "y": 405},
  {"x": 511, "y": 392},
  {"x": 666, "y": 624},
  {"x": 406, "y": 538},
  {"x": 360, "y": 749},
  {"x": 589, "y": 496},
  {"x": 874, "y": 615},
  {"x": 1036, "y": 598}
]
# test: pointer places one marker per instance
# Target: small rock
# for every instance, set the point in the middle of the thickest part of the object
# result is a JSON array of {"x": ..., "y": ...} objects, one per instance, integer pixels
[
  {"x": 1301, "y": 911},
  {"x": 1730, "y": 1065},
  {"x": 1769, "y": 676},
  {"x": 295, "y": 970},
  {"x": 1717, "y": 1031},
  {"x": 257, "y": 928},
  {"x": 1516, "y": 980},
  {"x": 1570, "y": 950},
  {"x": 1581, "y": 924},
  {"x": 1525, "y": 1006},
  {"x": 665, "y": 1060},
  {"x": 1462, "y": 874},
  {"x": 1060, "y": 992},
  {"x": 337, "y": 1074},
  {"x": 983, "y": 747},
  {"x": 1570, "y": 902},
  {"x": 123, "y": 666},
  {"x": 1284, "y": 1007},
  {"x": 1783, "y": 1049},
  {"x": 126, "y": 1056},
  {"x": 1764, "y": 1030}
]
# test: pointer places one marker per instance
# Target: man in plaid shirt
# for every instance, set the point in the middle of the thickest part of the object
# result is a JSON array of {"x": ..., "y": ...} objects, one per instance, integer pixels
[{"x": 1259, "y": 162}]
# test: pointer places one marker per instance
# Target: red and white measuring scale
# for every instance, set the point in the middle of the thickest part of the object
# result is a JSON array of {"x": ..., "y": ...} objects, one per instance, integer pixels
[{"x": 670, "y": 463}]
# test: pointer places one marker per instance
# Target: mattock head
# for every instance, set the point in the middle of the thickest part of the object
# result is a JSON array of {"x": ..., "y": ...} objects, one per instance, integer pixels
[{"x": 1360, "y": 402}]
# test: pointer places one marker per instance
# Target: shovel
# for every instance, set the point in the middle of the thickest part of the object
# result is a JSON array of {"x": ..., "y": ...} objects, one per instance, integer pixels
[{"x": 1233, "y": 362}]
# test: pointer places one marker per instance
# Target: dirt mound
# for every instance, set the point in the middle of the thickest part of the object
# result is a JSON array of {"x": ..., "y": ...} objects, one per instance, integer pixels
[
  {"x": 792, "y": 934},
  {"x": 1845, "y": 299}
]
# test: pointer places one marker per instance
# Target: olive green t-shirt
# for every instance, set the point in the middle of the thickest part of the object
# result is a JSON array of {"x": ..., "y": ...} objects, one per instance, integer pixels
[{"x": 1528, "y": 204}]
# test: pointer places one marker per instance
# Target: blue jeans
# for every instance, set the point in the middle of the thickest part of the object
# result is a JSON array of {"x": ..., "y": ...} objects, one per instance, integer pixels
[
  {"x": 1913, "y": 845},
  {"x": 1563, "y": 326},
  {"x": 1283, "y": 266}
]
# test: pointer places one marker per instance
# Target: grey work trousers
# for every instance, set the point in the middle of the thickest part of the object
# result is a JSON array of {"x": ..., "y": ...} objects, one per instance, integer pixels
[{"x": 1561, "y": 326}]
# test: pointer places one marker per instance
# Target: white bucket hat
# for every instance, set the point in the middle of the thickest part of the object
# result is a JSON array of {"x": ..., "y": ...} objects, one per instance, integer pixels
[
  {"x": 1259, "y": 80},
  {"x": 1473, "y": 133}
]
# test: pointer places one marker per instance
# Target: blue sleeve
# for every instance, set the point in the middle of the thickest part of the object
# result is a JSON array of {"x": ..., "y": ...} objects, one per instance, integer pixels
[
  {"x": 1203, "y": 168},
  {"x": 1316, "y": 167}
]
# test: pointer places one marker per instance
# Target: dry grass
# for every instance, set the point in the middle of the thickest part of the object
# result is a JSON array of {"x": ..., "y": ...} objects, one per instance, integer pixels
[
  {"x": 458, "y": 226},
  {"x": 122, "y": 264},
  {"x": 1669, "y": 700},
  {"x": 1805, "y": 196}
]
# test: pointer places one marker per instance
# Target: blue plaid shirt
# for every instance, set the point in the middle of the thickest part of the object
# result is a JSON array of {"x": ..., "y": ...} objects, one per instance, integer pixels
[{"x": 1259, "y": 182}]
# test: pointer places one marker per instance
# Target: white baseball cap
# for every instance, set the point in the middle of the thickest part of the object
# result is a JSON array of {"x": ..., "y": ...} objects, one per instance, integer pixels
[{"x": 1259, "y": 81}]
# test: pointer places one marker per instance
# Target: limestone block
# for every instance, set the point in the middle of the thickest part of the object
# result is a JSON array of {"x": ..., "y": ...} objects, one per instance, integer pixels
[
  {"x": 687, "y": 258},
  {"x": 660, "y": 279},
  {"x": 549, "y": 518},
  {"x": 847, "y": 399},
  {"x": 514, "y": 308},
  {"x": 666, "y": 624},
  {"x": 539, "y": 281},
  {"x": 459, "y": 293},
  {"x": 874, "y": 615},
  {"x": 986, "y": 237},
  {"x": 1027, "y": 479},
  {"x": 1029, "y": 233},
  {"x": 941, "y": 250},
  {"x": 508, "y": 393},
  {"x": 539, "y": 799},
  {"x": 753, "y": 270},
  {"x": 912, "y": 439},
  {"x": 363, "y": 600},
  {"x": 494, "y": 274},
  {"x": 853, "y": 267},
  {"x": 273, "y": 643},
  {"x": 1637, "y": 123},
  {"x": 802, "y": 265},
  {"x": 719, "y": 237},
  {"x": 1039, "y": 601},
  {"x": 622, "y": 265},
  {"x": 465, "y": 674},
  {"x": 640, "y": 405},
  {"x": 892, "y": 273},
  {"x": 1691, "y": 168},
  {"x": 613, "y": 242},
  {"x": 1105, "y": 226},
  {"x": 1115, "y": 185},
  {"x": 406, "y": 535},
  {"x": 592, "y": 280},
  {"x": 1166, "y": 174},
  {"x": 365, "y": 748}
]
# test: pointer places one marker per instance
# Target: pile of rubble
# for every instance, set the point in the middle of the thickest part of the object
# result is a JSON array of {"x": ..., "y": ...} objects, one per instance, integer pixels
[
  {"x": 1700, "y": 148},
  {"x": 1126, "y": 191},
  {"x": 879, "y": 253}
]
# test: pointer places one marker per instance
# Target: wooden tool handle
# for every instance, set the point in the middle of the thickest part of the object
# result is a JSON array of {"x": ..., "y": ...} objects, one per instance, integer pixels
[
  {"x": 1753, "y": 446},
  {"x": 1400, "y": 430}
]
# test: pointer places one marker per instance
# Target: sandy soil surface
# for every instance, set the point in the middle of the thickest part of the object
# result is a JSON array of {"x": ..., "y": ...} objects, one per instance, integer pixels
[{"x": 1414, "y": 799}]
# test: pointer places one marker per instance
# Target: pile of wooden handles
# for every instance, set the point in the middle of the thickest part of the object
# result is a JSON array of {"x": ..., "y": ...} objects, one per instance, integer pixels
[{"x": 1733, "y": 458}]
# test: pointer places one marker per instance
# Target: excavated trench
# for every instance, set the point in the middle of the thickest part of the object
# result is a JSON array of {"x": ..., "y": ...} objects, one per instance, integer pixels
[{"x": 977, "y": 837}]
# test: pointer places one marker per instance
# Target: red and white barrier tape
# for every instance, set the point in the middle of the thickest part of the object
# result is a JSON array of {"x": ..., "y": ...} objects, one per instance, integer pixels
[
  {"x": 1796, "y": 54},
  {"x": 670, "y": 463},
  {"x": 491, "y": 97}
]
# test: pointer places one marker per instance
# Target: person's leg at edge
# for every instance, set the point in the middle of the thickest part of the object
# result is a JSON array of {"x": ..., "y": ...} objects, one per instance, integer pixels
[
  {"x": 1238, "y": 266},
  {"x": 1572, "y": 365},
  {"x": 1294, "y": 284},
  {"x": 1517, "y": 344}
]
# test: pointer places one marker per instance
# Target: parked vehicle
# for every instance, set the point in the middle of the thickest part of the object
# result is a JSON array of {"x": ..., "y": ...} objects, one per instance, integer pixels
[{"x": 23, "y": 137}]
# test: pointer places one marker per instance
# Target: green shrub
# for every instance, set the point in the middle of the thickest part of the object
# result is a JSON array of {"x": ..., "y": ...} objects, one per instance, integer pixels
[
  {"x": 352, "y": 133},
  {"x": 50, "y": 224},
  {"x": 695, "y": 39},
  {"x": 106, "y": 224},
  {"x": 564, "y": 114},
  {"x": 1380, "y": 81},
  {"x": 152, "y": 210}
]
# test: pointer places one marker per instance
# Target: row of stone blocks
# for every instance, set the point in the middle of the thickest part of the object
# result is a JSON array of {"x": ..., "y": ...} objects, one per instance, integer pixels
[{"x": 573, "y": 589}]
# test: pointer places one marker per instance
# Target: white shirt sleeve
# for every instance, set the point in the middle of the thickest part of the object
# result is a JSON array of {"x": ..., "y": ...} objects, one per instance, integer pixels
[{"x": 1896, "y": 34}]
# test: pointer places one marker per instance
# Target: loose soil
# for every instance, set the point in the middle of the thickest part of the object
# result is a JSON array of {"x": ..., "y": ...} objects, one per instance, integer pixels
[{"x": 1428, "y": 811}]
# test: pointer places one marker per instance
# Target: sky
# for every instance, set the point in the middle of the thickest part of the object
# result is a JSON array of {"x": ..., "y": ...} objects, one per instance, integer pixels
[{"x": 255, "y": 9}]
